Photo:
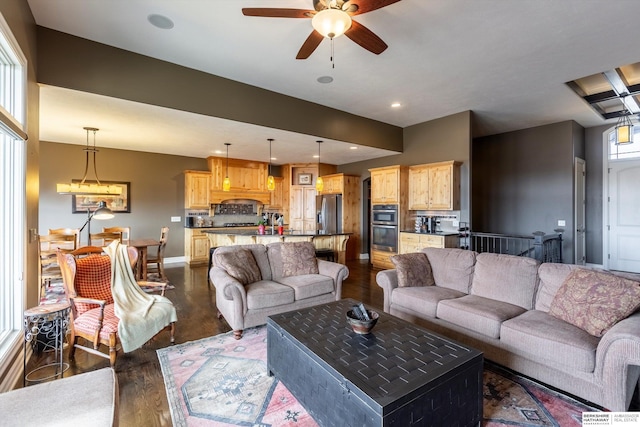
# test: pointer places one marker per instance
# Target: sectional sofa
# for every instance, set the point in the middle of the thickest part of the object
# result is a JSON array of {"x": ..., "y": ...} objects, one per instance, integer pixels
[
  {"x": 255, "y": 281},
  {"x": 570, "y": 327}
]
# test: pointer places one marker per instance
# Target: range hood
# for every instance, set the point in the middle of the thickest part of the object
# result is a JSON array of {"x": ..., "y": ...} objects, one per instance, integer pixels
[{"x": 224, "y": 197}]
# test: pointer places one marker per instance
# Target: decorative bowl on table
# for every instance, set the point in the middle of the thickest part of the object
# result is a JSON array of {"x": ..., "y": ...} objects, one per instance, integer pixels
[{"x": 362, "y": 327}]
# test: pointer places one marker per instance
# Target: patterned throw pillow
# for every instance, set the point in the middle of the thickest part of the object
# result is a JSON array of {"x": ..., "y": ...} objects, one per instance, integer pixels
[
  {"x": 413, "y": 269},
  {"x": 595, "y": 301},
  {"x": 240, "y": 264},
  {"x": 298, "y": 258}
]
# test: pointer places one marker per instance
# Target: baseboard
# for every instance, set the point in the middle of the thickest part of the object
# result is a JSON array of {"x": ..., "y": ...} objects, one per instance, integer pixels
[
  {"x": 598, "y": 266},
  {"x": 175, "y": 260}
]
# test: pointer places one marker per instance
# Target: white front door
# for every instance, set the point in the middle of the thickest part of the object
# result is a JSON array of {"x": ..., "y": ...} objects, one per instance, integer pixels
[{"x": 624, "y": 215}]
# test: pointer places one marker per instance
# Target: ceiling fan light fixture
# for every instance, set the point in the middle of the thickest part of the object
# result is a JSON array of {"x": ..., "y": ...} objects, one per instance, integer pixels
[{"x": 331, "y": 23}]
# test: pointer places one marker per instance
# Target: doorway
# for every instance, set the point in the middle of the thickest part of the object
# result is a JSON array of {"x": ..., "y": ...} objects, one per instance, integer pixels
[{"x": 624, "y": 215}]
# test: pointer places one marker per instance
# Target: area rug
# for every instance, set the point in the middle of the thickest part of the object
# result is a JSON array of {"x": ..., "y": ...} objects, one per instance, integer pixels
[{"x": 220, "y": 381}]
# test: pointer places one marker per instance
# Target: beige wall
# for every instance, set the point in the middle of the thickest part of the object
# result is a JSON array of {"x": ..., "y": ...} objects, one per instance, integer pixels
[{"x": 157, "y": 190}]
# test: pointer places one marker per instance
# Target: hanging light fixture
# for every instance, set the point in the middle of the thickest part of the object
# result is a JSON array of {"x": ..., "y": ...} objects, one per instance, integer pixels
[
  {"x": 271, "y": 182},
  {"x": 89, "y": 188},
  {"x": 226, "y": 184},
  {"x": 624, "y": 127},
  {"x": 319, "y": 181},
  {"x": 331, "y": 22}
]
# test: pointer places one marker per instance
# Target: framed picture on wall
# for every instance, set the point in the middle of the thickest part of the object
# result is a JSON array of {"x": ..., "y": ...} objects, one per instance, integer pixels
[
  {"x": 304, "y": 179},
  {"x": 120, "y": 203}
]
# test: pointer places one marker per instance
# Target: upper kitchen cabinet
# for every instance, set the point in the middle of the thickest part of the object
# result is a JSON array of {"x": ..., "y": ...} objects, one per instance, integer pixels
[
  {"x": 333, "y": 184},
  {"x": 277, "y": 195},
  {"x": 434, "y": 186},
  {"x": 248, "y": 180},
  {"x": 386, "y": 183},
  {"x": 196, "y": 189}
]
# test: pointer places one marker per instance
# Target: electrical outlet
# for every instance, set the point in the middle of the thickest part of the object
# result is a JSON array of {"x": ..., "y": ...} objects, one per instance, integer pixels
[
  {"x": 562, "y": 223},
  {"x": 175, "y": 219}
]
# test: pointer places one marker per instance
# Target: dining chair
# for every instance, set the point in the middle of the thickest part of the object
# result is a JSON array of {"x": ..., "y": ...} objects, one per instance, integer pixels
[
  {"x": 125, "y": 232},
  {"x": 69, "y": 232},
  {"x": 48, "y": 245},
  {"x": 87, "y": 276},
  {"x": 157, "y": 260},
  {"x": 103, "y": 239}
]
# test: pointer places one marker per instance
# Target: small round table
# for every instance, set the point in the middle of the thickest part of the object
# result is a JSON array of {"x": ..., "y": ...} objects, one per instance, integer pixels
[{"x": 45, "y": 326}]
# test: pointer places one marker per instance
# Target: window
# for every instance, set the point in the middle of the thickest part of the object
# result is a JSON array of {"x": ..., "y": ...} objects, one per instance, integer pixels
[
  {"x": 624, "y": 151},
  {"x": 12, "y": 189}
]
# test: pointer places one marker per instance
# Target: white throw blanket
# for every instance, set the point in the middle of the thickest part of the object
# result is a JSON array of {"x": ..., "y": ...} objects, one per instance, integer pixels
[{"x": 141, "y": 315}]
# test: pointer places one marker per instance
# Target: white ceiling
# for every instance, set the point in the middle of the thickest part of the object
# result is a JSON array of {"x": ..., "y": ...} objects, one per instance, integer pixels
[{"x": 506, "y": 60}]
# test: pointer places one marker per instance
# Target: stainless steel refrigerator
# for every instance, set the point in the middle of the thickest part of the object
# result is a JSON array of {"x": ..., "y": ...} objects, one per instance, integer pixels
[{"x": 329, "y": 217}]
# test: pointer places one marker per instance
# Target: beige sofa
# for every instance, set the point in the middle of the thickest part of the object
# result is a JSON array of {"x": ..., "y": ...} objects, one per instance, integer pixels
[
  {"x": 500, "y": 304},
  {"x": 285, "y": 280}
]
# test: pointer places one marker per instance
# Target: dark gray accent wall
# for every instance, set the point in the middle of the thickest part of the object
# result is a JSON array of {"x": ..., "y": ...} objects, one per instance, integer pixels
[
  {"x": 594, "y": 156},
  {"x": 523, "y": 181},
  {"x": 75, "y": 63},
  {"x": 157, "y": 190}
]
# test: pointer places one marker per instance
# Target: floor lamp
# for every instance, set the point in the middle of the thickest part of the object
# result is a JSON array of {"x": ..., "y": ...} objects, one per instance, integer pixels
[{"x": 102, "y": 212}]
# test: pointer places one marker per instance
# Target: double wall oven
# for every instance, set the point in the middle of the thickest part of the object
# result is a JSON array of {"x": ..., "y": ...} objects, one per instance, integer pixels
[{"x": 384, "y": 228}]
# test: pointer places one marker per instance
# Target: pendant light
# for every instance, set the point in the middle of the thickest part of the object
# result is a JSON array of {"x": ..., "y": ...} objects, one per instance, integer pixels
[
  {"x": 89, "y": 188},
  {"x": 226, "y": 184},
  {"x": 624, "y": 127},
  {"x": 271, "y": 182},
  {"x": 319, "y": 181}
]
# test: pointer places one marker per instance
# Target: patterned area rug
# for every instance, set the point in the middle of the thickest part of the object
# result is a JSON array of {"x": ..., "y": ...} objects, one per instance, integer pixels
[{"x": 220, "y": 381}]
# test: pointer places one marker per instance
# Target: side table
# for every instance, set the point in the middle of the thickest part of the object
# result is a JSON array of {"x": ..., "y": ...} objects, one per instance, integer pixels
[{"x": 46, "y": 326}]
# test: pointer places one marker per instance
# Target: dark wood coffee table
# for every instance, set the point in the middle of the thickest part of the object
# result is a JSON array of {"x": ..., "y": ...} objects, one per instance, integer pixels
[{"x": 399, "y": 375}]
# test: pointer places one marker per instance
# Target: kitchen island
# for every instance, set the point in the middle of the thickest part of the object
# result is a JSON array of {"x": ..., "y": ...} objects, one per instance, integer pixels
[{"x": 336, "y": 242}]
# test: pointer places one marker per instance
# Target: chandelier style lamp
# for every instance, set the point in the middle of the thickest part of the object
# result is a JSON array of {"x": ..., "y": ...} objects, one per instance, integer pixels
[
  {"x": 271, "y": 182},
  {"x": 89, "y": 188},
  {"x": 319, "y": 181},
  {"x": 624, "y": 127},
  {"x": 226, "y": 184}
]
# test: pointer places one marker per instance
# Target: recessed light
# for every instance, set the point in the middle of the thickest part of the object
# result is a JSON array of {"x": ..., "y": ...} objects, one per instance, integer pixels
[
  {"x": 396, "y": 105},
  {"x": 315, "y": 156},
  {"x": 218, "y": 152},
  {"x": 160, "y": 21},
  {"x": 353, "y": 148},
  {"x": 325, "y": 79}
]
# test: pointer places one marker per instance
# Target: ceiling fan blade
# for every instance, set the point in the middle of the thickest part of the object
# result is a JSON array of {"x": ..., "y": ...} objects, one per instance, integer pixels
[
  {"x": 277, "y": 13},
  {"x": 366, "y": 38},
  {"x": 365, "y": 6},
  {"x": 312, "y": 42}
]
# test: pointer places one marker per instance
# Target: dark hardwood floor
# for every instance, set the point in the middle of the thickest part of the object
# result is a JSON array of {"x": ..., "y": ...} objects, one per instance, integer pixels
[{"x": 143, "y": 400}]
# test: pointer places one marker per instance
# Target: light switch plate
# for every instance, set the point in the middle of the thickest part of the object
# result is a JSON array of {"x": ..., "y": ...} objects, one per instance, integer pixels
[
  {"x": 175, "y": 219},
  {"x": 562, "y": 223}
]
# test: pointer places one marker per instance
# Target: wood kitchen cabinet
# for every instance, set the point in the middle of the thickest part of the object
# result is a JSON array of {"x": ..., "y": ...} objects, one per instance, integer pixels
[
  {"x": 196, "y": 248},
  {"x": 434, "y": 186},
  {"x": 302, "y": 208},
  {"x": 196, "y": 191},
  {"x": 386, "y": 183},
  {"x": 333, "y": 184},
  {"x": 277, "y": 195},
  {"x": 414, "y": 242},
  {"x": 382, "y": 259}
]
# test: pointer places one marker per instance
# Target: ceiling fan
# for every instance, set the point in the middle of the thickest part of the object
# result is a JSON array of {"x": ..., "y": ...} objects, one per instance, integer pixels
[{"x": 331, "y": 18}]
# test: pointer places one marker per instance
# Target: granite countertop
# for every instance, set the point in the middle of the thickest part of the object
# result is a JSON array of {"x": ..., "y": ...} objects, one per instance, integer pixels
[
  {"x": 267, "y": 232},
  {"x": 437, "y": 233}
]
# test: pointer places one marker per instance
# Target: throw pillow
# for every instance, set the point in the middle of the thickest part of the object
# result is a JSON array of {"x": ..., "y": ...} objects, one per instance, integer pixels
[
  {"x": 240, "y": 264},
  {"x": 298, "y": 258},
  {"x": 595, "y": 301},
  {"x": 413, "y": 269}
]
